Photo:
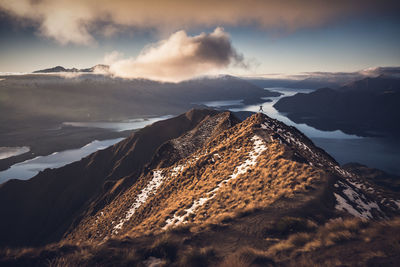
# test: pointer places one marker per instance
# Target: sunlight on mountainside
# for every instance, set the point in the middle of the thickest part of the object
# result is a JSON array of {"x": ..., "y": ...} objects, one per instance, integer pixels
[
  {"x": 199, "y": 133},
  {"x": 233, "y": 171}
]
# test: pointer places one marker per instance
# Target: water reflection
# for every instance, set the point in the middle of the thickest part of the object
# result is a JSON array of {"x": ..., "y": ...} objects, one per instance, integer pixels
[
  {"x": 121, "y": 125},
  {"x": 29, "y": 168},
  {"x": 273, "y": 113},
  {"x": 7, "y": 152},
  {"x": 379, "y": 153}
]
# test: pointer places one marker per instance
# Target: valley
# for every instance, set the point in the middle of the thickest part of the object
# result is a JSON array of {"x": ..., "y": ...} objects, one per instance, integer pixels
[
  {"x": 257, "y": 133},
  {"x": 51, "y": 113},
  {"x": 216, "y": 185},
  {"x": 378, "y": 152}
]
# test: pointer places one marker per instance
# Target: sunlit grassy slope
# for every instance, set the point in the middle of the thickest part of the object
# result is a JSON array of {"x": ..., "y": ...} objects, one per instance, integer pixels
[
  {"x": 229, "y": 193},
  {"x": 241, "y": 168}
]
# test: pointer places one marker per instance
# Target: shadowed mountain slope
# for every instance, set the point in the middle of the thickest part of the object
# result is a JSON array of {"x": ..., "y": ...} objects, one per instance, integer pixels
[
  {"x": 219, "y": 192},
  {"x": 35, "y": 107},
  {"x": 257, "y": 163},
  {"x": 54, "y": 198},
  {"x": 366, "y": 107}
]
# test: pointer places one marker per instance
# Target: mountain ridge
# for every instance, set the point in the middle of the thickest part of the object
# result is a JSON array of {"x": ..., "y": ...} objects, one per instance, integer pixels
[
  {"x": 96, "y": 68},
  {"x": 218, "y": 185},
  {"x": 319, "y": 79},
  {"x": 92, "y": 175},
  {"x": 367, "y": 107},
  {"x": 350, "y": 196}
]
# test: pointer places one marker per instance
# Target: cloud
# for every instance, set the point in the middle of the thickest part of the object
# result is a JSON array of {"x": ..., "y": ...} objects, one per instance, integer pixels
[
  {"x": 112, "y": 57},
  {"x": 75, "y": 21},
  {"x": 341, "y": 78},
  {"x": 179, "y": 57}
]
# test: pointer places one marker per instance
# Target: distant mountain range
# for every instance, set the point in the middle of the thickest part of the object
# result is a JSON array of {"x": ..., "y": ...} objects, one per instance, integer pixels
[
  {"x": 308, "y": 80},
  {"x": 42, "y": 101},
  {"x": 366, "y": 107},
  {"x": 97, "y": 68},
  {"x": 316, "y": 80},
  {"x": 202, "y": 181}
]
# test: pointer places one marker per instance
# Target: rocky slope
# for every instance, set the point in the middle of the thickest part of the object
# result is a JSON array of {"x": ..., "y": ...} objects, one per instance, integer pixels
[{"x": 204, "y": 186}]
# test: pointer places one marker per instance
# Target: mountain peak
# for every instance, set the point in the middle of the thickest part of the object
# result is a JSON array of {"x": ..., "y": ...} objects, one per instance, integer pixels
[
  {"x": 99, "y": 68},
  {"x": 213, "y": 170},
  {"x": 203, "y": 177},
  {"x": 196, "y": 113}
]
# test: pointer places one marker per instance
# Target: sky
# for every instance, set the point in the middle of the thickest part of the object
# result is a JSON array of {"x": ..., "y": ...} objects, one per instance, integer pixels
[{"x": 177, "y": 40}]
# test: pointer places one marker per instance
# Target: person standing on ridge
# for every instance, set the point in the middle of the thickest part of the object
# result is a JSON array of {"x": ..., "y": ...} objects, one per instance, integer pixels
[{"x": 261, "y": 109}]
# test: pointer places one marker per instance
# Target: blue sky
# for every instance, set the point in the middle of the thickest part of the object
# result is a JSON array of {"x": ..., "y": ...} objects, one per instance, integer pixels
[{"x": 343, "y": 44}]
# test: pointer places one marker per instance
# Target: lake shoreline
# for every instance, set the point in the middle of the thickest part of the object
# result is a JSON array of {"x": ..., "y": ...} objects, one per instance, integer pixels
[
  {"x": 65, "y": 137},
  {"x": 374, "y": 151},
  {"x": 50, "y": 137},
  {"x": 77, "y": 137}
]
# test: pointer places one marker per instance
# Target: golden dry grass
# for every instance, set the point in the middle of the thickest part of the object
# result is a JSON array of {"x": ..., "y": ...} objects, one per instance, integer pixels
[
  {"x": 371, "y": 244},
  {"x": 332, "y": 233},
  {"x": 246, "y": 257},
  {"x": 274, "y": 176}
]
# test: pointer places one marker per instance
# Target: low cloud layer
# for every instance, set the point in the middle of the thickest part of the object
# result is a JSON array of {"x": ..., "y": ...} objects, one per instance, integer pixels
[
  {"x": 76, "y": 21},
  {"x": 179, "y": 57}
]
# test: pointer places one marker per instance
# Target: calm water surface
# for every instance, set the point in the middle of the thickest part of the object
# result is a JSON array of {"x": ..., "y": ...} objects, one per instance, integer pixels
[
  {"x": 28, "y": 169},
  {"x": 7, "y": 152},
  {"x": 381, "y": 153},
  {"x": 119, "y": 126}
]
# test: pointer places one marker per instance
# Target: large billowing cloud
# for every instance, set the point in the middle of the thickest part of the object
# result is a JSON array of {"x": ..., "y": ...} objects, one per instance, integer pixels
[
  {"x": 179, "y": 57},
  {"x": 76, "y": 20}
]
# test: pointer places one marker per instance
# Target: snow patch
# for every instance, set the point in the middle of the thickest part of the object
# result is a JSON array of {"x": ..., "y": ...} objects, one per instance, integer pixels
[
  {"x": 176, "y": 170},
  {"x": 289, "y": 136},
  {"x": 342, "y": 172},
  {"x": 359, "y": 206},
  {"x": 258, "y": 148},
  {"x": 217, "y": 155},
  {"x": 349, "y": 195},
  {"x": 343, "y": 205},
  {"x": 357, "y": 184},
  {"x": 141, "y": 198}
]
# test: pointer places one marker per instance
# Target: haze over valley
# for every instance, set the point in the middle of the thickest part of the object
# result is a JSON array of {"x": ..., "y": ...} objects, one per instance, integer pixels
[{"x": 186, "y": 133}]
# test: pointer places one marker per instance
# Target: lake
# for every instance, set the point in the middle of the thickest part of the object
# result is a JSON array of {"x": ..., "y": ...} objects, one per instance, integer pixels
[
  {"x": 119, "y": 126},
  {"x": 377, "y": 152},
  {"x": 29, "y": 168},
  {"x": 7, "y": 152}
]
